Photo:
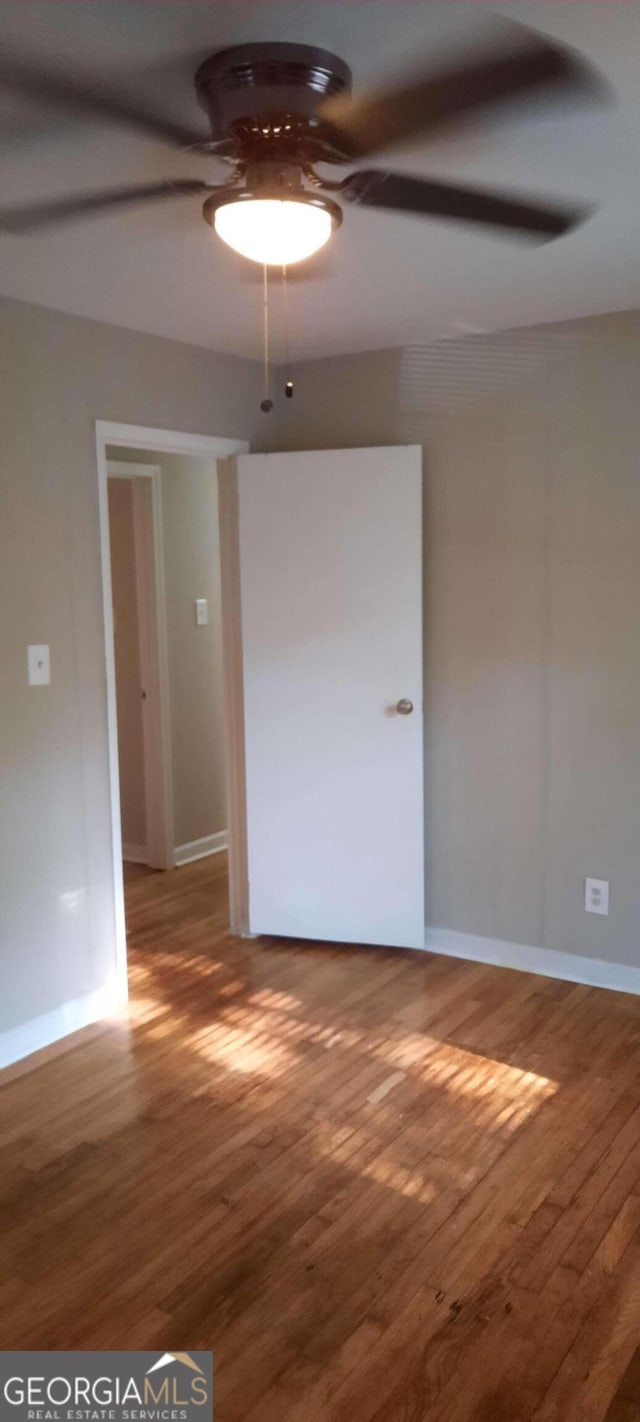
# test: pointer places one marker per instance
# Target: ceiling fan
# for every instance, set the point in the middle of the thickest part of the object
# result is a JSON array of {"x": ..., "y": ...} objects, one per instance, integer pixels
[{"x": 278, "y": 110}]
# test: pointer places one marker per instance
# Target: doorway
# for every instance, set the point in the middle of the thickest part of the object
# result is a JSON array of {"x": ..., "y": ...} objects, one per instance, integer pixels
[
  {"x": 140, "y": 650},
  {"x": 160, "y": 570}
]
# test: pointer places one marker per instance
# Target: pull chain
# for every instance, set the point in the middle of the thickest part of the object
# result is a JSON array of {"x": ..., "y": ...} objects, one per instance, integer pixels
[
  {"x": 288, "y": 388},
  {"x": 266, "y": 405}
]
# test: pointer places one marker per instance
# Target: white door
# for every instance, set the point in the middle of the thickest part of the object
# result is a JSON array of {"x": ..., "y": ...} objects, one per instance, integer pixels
[{"x": 331, "y": 596}]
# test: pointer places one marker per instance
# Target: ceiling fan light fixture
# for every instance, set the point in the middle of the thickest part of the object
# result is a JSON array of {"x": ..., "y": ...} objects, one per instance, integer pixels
[{"x": 274, "y": 231}]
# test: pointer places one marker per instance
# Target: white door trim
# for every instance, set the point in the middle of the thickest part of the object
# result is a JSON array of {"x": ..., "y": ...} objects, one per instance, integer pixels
[
  {"x": 154, "y": 660},
  {"x": 233, "y": 697},
  {"x": 168, "y": 441},
  {"x": 144, "y": 438}
]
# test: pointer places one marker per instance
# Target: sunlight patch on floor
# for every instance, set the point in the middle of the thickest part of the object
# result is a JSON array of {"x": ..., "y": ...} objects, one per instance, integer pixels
[{"x": 240, "y": 1050}]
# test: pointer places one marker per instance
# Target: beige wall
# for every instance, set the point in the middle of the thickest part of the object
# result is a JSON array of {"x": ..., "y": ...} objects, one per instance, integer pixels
[
  {"x": 347, "y": 401},
  {"x": 192, "y": 566},
  {"x": 532, "y": 590},
  {"x": 127, "y": 660},
  {"x": 58, "y": 374},
  {"x": 192, "y": 570}
]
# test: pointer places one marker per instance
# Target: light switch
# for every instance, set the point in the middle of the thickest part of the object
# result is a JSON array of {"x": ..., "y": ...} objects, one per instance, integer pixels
[
  {"x": 202, "y": 612},
  {"x": 39, "y": 663}
]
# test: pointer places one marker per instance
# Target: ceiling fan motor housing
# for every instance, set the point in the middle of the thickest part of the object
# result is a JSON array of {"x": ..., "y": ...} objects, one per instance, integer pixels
[{"x": 271, "y": 94}]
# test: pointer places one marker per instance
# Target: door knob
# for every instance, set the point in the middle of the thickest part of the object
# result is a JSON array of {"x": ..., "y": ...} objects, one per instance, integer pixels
[{"x": 404, "y": 707}]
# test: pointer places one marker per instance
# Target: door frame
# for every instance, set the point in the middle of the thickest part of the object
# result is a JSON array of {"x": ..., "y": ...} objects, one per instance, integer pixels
[
  {"x": 151, "y": 618},
  {"x": 228, "y": 508},
  {"x": 150, "y": 441}
]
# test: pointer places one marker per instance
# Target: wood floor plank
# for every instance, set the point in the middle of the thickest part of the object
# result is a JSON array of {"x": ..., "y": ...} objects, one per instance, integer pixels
[
  {"x": 588, "y": 1377},
  {"x": 625, "y": 1405},
  {"x": 382, "y": 1186}
]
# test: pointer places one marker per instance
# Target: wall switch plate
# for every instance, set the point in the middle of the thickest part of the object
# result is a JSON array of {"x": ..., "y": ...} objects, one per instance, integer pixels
[
  {"x": 202, "y": 612},
  {"x": 39, "y": 665},
  {"x": 596, "y": 896}
]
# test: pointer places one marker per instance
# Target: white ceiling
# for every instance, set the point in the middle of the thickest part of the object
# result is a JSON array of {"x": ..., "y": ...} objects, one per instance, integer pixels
[{"x": 391, "y": 279}]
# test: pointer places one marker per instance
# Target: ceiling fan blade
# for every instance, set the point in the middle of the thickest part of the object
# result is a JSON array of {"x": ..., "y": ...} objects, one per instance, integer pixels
[
  {"x": 439, "y": 97},
  {"x": 37, "y": 215},
  {"x": 81, "y": 98},
  {"x": 428, "y": 199}
]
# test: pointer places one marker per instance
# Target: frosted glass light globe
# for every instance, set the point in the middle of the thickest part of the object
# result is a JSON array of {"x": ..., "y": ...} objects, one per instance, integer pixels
[{"x": 273, "y": 232}]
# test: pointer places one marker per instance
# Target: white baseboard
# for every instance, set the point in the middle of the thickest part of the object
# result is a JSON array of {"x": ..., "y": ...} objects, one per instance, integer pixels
[
  {"x": 200, "y": 848},
  {"x": 134, "y": 853},
  {"x": 42, "y": 1031},
  {"x": 81, "y": 1012},
  {"x": 571, "y": 967}
]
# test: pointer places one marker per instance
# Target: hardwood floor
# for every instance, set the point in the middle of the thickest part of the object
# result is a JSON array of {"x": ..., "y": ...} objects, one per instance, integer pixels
[{"x": 379, "y": 1185}]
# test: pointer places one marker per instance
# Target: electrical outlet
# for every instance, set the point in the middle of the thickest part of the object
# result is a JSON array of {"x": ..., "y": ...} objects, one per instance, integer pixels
[
  {"x": 202, "y": 611},
  {"x": 596, "y": 896}
]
